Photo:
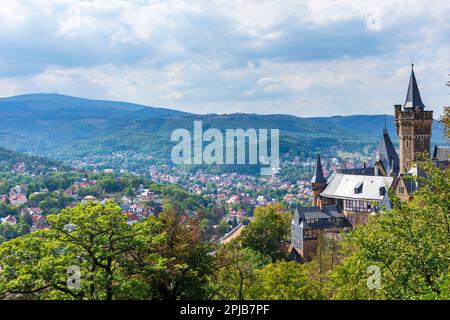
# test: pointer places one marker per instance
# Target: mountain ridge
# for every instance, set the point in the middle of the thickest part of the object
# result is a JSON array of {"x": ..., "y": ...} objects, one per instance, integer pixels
[{"x": 65, "y": 127}]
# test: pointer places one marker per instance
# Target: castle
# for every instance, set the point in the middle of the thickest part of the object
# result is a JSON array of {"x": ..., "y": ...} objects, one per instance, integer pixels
[{"x": 349, "y": 196}]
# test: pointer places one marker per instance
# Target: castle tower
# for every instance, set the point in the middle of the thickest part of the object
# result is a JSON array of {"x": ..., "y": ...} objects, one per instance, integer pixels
[
  {"x": 413, "y": 125},
  {"x": 318, "y": 181}
]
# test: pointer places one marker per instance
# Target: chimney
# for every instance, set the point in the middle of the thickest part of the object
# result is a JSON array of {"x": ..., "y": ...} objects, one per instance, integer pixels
[{"x": 320, "y": 203}]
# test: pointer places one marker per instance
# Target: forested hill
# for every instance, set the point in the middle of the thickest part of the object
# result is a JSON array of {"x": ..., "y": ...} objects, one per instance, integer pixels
[
  {"x": 11, "y": 161},
  {"x": 64, "y": 127}
]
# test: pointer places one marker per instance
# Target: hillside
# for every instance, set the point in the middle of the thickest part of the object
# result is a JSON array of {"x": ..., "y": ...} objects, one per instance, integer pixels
[
  {"x": 64, "y": 127},
  {"x": 11, "y": 161}
]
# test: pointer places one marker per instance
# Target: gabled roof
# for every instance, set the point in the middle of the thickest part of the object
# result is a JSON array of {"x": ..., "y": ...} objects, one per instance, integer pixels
[
  {"x": 318, "y": 172},
  {"x": 342, "y": 186},
  {"x": 387, "y": 154},
  {"x": 413, "y": 98}
]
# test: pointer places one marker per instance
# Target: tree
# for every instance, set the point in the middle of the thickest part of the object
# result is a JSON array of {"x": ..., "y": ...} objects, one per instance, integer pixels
[
  {"x": 8, "y": 232},
  {"x": 234, "y": 222},
  {"x": 268, "y": 232},
  {"x": 128, "y": 192},
  {"x": 94, "y": 190},
  {"x": 187, "y": 262},
  {"x": 223, "y": 227},
  {"x": 109, "y": 183},
  {"x": 445, "y": 119},
  {"x": 236, "y": 270},
  {"x": 408, "y": 246},
  {"x": 6, "y": 209},
  {"x": 93, "y": 238},
  {"x": 328, "y": 255},
  {"x": 283, "y": 280}
]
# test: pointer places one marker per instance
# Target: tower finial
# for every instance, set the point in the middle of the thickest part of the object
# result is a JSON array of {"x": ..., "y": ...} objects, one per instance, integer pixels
[
  {"x": 412, "y": 62},
  {"x": 413, "y": 99}
]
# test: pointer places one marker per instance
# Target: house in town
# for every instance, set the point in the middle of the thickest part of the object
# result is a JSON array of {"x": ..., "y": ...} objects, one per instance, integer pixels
[
  {"x": 17, "y": 200},
  {"x": 9, "y": 219},
  {"x": 89, "y": 199}
]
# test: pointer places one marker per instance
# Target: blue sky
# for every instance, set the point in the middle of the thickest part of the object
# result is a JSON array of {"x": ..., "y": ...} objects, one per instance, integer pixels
[{"x": 306, "y": 58}]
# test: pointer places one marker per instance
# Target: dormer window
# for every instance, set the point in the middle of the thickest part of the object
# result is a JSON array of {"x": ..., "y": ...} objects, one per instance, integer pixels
[{"x": 358, "y": 187}]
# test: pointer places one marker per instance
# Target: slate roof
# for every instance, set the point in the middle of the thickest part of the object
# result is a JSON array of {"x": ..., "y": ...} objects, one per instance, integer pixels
[
  {"x": 359, "y": 171},
  {"x": 441, "y": 153},
  {"x": 388, "y": 156},
  {"x": 342, "y": 186},
  {"x": 318, "y": 172},
  {"x": 324, "y": 217},
  {"x": 413, "y": 98}
]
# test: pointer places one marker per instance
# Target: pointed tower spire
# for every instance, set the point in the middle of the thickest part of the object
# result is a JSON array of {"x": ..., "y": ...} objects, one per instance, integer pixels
[
  {"x": 413, "y": 98},
  {"x": 318, "y": 172},
  {"x": 385, "y": 152}
]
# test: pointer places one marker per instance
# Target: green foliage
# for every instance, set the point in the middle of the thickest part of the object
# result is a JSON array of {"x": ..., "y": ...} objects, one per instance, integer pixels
[
  {"x": 53, "y": 202},
  {"x": 91, "y": 236},
  {"x": 29, "y": 164},
  {"x": 236, "y": 271},
  {"x": 268, "y": 232},
  {"x": 283, "y": 280},
  {"x": 187, "y": 260},
  {"x": 6, "y": 209},
  {"x": 158, "y": 258},
  {"x": 8, "y": 232},
  {"x": 234, "y": 222},
  {"x": 110, "y": 183},
  {"x": 94, "y": 190},
  {"x": 410, "y": 244}
]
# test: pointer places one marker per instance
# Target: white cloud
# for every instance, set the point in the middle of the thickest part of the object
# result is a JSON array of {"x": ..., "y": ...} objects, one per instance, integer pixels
[{"x": 282, "y": 56}]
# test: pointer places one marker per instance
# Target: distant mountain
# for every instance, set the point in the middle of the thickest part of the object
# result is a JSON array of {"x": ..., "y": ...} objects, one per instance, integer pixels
[
  {"x": 42, "y": 123},
  {"x": 64, "y": 127},
  {"x": 58, "y": 102}
]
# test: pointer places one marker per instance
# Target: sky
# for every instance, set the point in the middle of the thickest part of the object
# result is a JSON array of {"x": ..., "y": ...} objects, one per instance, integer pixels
[{"x": 305, "y": 58}]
